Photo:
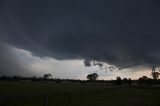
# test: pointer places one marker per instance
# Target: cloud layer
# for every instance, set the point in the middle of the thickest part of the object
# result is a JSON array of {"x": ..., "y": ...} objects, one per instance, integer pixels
[
  {"x": 120, "y": 32},
  {"x": 10, "y": 64}
]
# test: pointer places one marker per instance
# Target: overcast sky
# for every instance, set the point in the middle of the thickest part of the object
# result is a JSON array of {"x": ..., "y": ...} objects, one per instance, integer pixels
[{"x": 56, "y": 36}]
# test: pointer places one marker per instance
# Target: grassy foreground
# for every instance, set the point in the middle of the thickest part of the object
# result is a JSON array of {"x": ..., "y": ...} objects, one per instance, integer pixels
[{"x": 48, "y": 94}]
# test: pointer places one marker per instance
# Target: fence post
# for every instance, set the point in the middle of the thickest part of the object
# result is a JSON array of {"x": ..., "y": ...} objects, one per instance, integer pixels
[
  {"x": 69, "y": 96},
  {"x": 82, "y": 94},
  {"x": 46, "y": 101}
]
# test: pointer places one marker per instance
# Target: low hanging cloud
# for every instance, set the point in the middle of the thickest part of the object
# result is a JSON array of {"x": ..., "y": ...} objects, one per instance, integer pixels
[
  {"x": 124, "y": 33},
  {"x": 10, "y": 64}
]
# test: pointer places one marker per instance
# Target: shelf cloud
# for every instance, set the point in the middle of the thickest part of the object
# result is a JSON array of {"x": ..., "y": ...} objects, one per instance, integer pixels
[{"x": 124, "y": 33}]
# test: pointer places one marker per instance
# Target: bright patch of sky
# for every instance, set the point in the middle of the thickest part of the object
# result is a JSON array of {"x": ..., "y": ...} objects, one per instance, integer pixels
[{"x": 73, "y": 69}]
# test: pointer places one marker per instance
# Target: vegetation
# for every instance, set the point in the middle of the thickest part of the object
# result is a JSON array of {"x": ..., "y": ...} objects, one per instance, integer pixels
[
  {"x": 47, "y": 76},
  {"x": 47, "y": 91},
  {"x": 92, "y": 77},
  {"x": 20, "y": 93}
]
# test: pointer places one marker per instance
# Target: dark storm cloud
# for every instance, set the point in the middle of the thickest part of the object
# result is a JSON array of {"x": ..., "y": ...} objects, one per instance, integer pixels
[{"x": 120, "y": 32}]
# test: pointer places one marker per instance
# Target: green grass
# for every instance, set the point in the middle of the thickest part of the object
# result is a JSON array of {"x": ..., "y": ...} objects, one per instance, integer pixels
[{"x": 40, "y": 93}]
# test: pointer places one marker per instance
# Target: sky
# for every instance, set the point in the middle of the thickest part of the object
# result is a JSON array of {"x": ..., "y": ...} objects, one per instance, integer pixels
[{"x": 56, "y": 36}]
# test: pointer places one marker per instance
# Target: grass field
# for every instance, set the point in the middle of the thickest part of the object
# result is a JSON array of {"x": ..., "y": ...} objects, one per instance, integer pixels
[{"x": 47, "y": 94}]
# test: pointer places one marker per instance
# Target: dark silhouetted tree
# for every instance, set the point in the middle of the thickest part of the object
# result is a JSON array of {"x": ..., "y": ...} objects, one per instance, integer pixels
[
  {"x": 130, "y": 81},
  {"x": 154, "y": 73},
  {"x": 125, "y": 80},
  {"x": 145, "y": 78},
  {"x": 92, "y": 77},
  {"x": 47, "y": 76},
  {"x": 118, "y": 80}
]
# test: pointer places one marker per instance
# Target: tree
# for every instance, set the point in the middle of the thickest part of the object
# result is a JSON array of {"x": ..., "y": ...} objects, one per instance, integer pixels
[
  {"x": 145, "y": 77},
  {"x": 143, "y": 80},
  {"x": 154, "y": 73},
  {"x": 92, "y": 77},
  {"x": 118, "y": 80},
  {"x": 47, "y": 76}
]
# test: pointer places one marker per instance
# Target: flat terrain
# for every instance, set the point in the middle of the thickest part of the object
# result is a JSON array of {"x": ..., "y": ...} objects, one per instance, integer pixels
[{"x": 14, "y": 93}]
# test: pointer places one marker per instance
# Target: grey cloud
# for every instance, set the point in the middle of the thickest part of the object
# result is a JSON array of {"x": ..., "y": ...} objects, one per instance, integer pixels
[
  {"x": 10, "y": 64},
  {"x": 124, "y": 33}
]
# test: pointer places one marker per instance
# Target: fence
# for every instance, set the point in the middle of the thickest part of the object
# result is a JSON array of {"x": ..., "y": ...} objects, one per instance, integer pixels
[{"x": 43, "y": 100}]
